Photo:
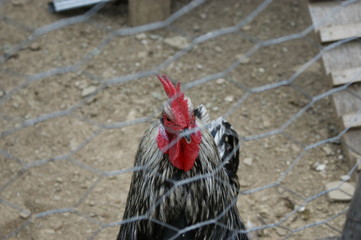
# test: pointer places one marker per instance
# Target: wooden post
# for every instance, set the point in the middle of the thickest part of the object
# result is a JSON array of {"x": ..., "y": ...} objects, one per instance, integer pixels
[
  {"x": 148, "y": 11},
  {"x": 352, "y": 227}
]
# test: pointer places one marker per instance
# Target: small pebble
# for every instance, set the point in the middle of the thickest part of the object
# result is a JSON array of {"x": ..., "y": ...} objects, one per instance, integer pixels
[
  {"x": 17, "y": 2},
  {"x": 243, "y": 183},
  {"x": 229, "y": 98},
  {"x": 80, "y": 84},
  {"x": 203, "y": 16},
  {"x": 305, "y": 214},
  {"x": 218, "y": 49},
  {"x": 319, "y": 167},
  {"x": 57, "y": 189},
  {"x": 247, "y": 27},
  {"x": 57, "y": 226},
  {"x": 25, "y": 214},
  {"x": 35, "y": 46},
  {"x": 87, "y": 91},
  {"x": 142, "y": 54},
  {"x": 16, "y": 105},
  {"x": 328, "y": 150},
  {"x": 196, "y": 28},
  {"x": 155, "y": 37},
  {"x": 345, "y": 178},
  {"x": 344, "y": 191},
  {"x": 220, "y": 81},
  {"x": 266, "y": 123},
  {"x": 302, "y": 209},
  {"x": 243, "y": 59},
  {"x": 295, "y": 148},
  {"x": 248, "y": 161},
  {"x": 48, "y": 231},
  {"x": 141, "y": 36},
  {"x": 215, "y": 109},
  {"x": 113, "y": 177},
  {"x": 281, "y": 231},
  {"x": 178, "y": 42}
]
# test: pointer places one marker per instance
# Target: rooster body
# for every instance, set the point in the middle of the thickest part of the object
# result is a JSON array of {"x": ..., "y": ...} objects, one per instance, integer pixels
[{"x": 175, "y": 196}]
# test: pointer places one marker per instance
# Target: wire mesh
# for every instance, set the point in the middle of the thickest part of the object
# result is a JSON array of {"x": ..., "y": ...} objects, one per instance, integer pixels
[{"x": 78, "y": 90}]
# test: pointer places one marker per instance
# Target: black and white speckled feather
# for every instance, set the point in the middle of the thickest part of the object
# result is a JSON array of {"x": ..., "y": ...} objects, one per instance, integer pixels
[
  {"x": 225, "y": 137},
  {"x": 164, "y": 200}
]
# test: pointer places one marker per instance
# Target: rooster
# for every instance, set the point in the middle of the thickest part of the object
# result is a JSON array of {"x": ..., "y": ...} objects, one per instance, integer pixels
[{"x": 187, "y": 184}]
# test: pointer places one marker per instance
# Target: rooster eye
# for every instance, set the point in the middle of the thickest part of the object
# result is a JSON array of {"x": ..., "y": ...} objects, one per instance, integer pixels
[{"x": 167, "y": 118}]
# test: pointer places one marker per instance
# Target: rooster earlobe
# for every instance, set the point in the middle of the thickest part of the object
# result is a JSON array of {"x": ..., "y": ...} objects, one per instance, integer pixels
[{"x": 162, "y": 140}]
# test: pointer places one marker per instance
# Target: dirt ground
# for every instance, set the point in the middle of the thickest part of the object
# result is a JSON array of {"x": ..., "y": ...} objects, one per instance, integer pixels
[{"x": 66, "y": 177}]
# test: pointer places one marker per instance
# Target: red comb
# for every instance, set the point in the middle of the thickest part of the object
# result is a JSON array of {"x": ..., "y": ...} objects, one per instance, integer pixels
[{"x": 168, "y": 86}]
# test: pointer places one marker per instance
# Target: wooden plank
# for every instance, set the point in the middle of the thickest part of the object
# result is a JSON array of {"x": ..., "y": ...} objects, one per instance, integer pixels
[
  {"x": 148, "y": 11},
  {"x": 346, "y": 76},
  {"x": 342, "y": 57},
  {"x": 351, "y": 144},
  {"x": 351, "y": 120},
  {"x": 338, "y": 32},
  {"x": 328, "y": 13},
  {"x": 63, "y": 5},
  {"x": 347, "y": 101},
  {"x": 342, "y": 63}
]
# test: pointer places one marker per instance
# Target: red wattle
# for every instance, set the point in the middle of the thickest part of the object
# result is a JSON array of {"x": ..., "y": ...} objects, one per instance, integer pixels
[{"x": 181, "y": 154}]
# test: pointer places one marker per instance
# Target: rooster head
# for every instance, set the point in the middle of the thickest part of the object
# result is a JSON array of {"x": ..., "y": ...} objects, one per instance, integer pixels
[{"x": 178, "y": 134}]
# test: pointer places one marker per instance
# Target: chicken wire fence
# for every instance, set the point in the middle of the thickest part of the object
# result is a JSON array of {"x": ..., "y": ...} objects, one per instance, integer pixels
[{"x": 68, "y": 140}]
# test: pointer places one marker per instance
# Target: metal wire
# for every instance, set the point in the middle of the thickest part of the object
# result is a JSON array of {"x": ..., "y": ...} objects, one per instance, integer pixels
[{"x": 23, "y": 124}]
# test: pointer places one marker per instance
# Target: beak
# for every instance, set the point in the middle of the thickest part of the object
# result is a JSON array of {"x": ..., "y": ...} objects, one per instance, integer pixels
[
  {"x": 187, "y": 135},
  {"x": 188, "y": 138}
]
